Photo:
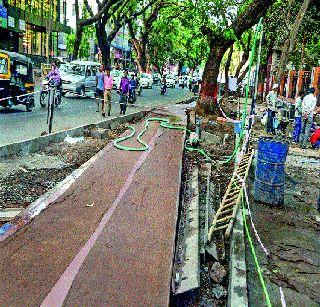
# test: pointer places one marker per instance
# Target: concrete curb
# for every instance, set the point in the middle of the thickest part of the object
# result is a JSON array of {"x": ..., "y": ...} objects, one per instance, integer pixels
[
  {"x": 237, "y": 294},
  {"x": 27, "y": 147},
  {"x": 190, "y": 270}
]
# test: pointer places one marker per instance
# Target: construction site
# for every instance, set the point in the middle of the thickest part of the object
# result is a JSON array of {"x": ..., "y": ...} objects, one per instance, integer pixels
[{"x": 204, "y": 197}]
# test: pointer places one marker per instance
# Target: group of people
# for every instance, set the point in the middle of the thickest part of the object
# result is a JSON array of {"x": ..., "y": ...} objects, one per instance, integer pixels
[
  {"x": 305, "y": 110},
  {"x": 104, "y": 86}
]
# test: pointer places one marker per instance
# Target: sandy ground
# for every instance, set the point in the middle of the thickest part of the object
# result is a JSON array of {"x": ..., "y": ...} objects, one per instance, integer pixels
[{"x": 291, "y": 235}]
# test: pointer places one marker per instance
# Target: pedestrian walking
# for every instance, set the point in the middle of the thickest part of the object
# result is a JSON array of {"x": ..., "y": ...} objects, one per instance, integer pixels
[
  {"x": 99, "y": 87},
  {"x": 132, "y": 89},
  {"x": 124, "y": 92},
  {"x": 108, "y": 84},
  {"x": 297, "y": 117},
  {"x": 272, "y": 99},
  {"x": 309, "y": 103}
]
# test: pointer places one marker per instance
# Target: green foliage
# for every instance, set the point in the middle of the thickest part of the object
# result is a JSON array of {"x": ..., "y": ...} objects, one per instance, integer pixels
[
  {"x": 87, "y": 34},
  {"x": 70, "y": 42},
  {"x": 176, "y": 37}
]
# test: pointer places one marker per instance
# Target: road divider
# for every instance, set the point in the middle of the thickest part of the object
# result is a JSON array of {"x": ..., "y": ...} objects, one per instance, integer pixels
[{"x": 34, "y": 145}]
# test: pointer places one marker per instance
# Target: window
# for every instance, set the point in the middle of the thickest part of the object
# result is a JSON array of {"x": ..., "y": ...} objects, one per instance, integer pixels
[
  {"x": 3, "y": 66},
  {"x": 35, "y": 40},
  {"x": 73, "y": 9}
]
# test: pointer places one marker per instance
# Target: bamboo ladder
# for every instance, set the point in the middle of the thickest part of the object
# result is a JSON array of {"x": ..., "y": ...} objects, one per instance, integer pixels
[{"x": 225, "y": 215}]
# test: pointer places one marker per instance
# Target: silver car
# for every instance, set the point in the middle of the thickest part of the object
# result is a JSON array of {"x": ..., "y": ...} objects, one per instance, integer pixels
[{"x": 80, "y": 78}]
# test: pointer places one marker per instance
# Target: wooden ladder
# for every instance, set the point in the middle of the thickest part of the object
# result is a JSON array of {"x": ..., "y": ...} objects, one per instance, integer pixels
[{"x": 225, "y": 215}]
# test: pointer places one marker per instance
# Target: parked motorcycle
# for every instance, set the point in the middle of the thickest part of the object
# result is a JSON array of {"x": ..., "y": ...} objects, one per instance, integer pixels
[
  {"x": 45, "y": 84},
  {"x": 163, "y": 89}
]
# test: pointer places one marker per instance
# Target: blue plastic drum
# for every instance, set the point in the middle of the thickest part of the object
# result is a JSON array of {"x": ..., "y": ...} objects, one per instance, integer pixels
[{"x": 269, "y": 180}]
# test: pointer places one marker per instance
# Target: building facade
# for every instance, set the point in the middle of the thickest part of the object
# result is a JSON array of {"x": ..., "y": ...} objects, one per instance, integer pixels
[{"x": 29, "y": 24}]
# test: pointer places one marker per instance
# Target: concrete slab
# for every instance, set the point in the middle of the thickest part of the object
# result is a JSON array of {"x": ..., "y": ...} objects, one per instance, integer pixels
[
  {"x": 99, "y": 133},
  {"x": 237, "y": 294},
  {"x": 190, "y": 272},
  {"x": 6, "y": 215}
]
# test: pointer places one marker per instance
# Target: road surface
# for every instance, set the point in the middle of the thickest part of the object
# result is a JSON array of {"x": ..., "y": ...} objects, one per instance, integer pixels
[{"x": 18, "y": 125}]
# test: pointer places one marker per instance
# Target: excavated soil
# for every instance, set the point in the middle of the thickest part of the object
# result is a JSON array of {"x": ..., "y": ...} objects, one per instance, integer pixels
[{"x": 291, "y": 235}]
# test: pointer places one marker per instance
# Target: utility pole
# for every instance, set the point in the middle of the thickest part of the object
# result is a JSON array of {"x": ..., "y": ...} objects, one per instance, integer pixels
[{"x": 49, "y": 32}]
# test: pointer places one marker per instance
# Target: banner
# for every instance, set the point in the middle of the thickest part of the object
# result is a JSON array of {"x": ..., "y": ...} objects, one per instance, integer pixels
[{"x": 3, "y": 17}]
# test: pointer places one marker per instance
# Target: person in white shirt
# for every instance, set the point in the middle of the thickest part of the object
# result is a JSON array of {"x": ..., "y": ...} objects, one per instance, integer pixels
[
  {"x": 272, "y": 99},
  {"x": 309, "y": 103}
]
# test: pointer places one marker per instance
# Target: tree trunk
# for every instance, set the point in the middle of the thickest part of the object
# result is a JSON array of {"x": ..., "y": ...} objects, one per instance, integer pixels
[
  {"x": 77, "y": 42},
  {"x": 243, "y": 75},
  {"x": 290, "y": 42},
  {"x": 245, "y": 57},
  {"x": 219, "y": 45},
  {"x": 104, "y": 44},
  {"x": 209, "y": 87},
  {"x": 226, "y": 71}
]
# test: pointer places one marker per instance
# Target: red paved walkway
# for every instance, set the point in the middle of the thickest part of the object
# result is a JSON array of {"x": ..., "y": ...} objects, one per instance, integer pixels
[{"x": 118, "y": 252}]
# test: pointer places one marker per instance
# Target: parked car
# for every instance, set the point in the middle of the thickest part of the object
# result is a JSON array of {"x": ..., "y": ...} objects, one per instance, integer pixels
[
  {"x": 171, "y": 82},
  {"x": 183, "y": 80},
  {"x": 146, "y": 80},
  {"x": 80, "y": 78},
  {"x": 156, "y": 78}
]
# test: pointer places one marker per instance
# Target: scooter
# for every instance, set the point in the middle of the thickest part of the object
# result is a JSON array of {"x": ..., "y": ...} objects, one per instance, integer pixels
[
  {"x": 45, "y": 84},
  {"x": 163, "y": 89},
  {"x": 132, "y": 97}
]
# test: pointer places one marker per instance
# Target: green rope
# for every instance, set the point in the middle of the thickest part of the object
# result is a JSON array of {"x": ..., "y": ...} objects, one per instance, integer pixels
[{"x": 164, "y": 123}]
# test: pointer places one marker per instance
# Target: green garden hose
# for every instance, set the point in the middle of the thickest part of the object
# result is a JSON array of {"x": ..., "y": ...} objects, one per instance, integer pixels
[{"x": 164, "y": 123}]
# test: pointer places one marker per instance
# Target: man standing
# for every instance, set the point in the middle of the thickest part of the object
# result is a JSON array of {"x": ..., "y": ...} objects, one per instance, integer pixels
[
  {"x": 297, "y": 116},
  {"x": 308, "y": 106},
  {"x": 272, "y": 99},
  {"x": 124, "y": 92},
  {"x": 132, "y": 89},
  {"x": 99, "y": 87},
  {"x": 108, "y": 84}
]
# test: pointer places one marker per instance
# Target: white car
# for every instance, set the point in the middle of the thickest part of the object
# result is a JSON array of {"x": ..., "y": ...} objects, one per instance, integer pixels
[
  {"x": 116, "y": 76},
  {"x": 171, "y": 82},
  {"x": 80, "y": 77},
  {"x": 146, "y": 80}
]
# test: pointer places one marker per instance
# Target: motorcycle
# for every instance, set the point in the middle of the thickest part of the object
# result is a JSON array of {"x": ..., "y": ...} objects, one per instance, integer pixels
[
  {"x": 163, "y": 89},
  {"x": 46, "y": 84}
]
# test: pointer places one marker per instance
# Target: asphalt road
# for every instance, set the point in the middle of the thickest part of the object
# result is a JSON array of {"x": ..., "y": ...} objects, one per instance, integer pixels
[{"x": 18, "y": 125}]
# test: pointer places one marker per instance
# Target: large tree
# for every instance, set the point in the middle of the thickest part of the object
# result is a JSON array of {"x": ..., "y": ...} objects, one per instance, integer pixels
[
  {"x": 140, "y": 30},
  {"x": 104, "y": 7},
  {"x": 292, "y": 32},
  {"x": 221, "y": 33}
]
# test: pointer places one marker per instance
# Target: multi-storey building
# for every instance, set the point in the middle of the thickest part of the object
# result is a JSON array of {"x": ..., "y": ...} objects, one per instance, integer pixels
[{"x": 25, "y": 26}]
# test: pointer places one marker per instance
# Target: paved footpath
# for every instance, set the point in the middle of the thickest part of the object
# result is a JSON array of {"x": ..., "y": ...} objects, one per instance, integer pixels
[{"x": 119, "y": 251}]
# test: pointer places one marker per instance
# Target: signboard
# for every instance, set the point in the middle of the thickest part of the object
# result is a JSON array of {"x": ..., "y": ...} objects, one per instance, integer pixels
[
  {"x": 11, "y": 22},
  {"x": 3, "y": 17},
  {"x": 22, "y": 25},
  {"x": 62, "y": 41}
]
